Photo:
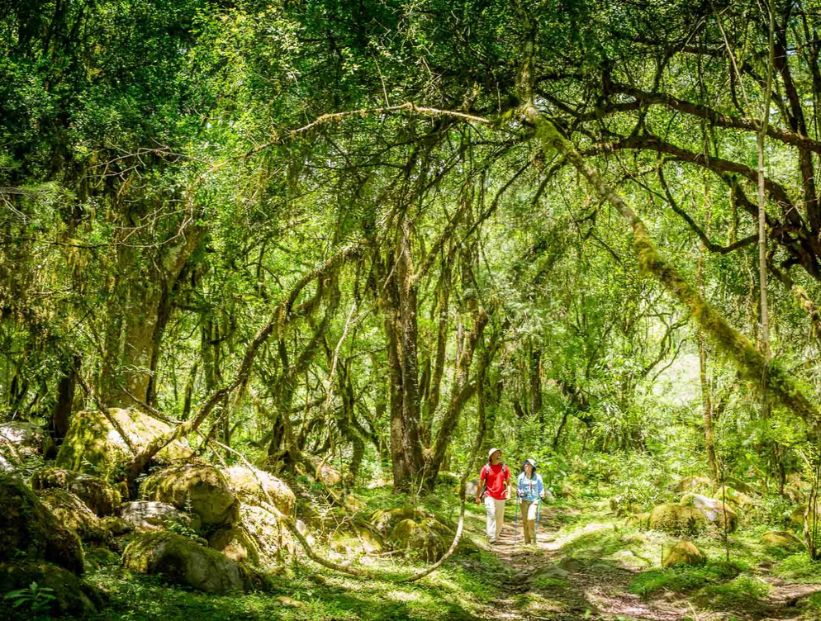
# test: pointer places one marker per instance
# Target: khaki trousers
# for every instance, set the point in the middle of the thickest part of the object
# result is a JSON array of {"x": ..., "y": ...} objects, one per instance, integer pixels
[{"x": 529, "y": 509}]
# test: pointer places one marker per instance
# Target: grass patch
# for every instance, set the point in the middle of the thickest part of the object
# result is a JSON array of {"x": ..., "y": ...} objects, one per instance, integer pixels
[
  {"x": 799, "y": 568},
  {"x": 740, "y": 593},
  {"x": 684, "y": 579}
]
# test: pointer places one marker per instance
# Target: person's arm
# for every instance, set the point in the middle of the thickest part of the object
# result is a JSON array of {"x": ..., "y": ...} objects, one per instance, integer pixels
[
  {"x": 481, "y": 486},
  {"x": 540, "y": 486}
]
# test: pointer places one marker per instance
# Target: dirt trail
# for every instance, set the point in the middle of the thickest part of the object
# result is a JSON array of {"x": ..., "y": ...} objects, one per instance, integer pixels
[{"x": 546, "y": 582}]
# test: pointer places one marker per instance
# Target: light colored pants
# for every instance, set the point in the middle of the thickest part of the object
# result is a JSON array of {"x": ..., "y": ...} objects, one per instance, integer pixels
[
  {"x": 529, "y": 509},
  {"x": 495, "y": 511}
]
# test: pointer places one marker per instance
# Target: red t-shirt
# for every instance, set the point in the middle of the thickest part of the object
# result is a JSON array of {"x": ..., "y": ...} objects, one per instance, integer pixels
[{"x": 497, "y": 477}]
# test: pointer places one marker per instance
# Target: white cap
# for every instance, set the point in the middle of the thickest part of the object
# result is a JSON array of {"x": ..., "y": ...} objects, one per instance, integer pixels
[{"x": 493, "y": 450}]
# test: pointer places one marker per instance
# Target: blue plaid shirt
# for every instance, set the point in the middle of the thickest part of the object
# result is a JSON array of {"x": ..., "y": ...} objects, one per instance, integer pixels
[{"x": 530, "y": 489}]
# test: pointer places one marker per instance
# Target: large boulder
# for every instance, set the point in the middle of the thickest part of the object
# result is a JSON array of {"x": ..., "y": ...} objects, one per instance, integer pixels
[
  {"x": 236, "y": 543},
  {"x": 714, "y": 511},
  {"x": 20, "y": 441},
  {"x": 67, "y": 595},
  {"x": 677, "y": 519},
  {"x": 147, "y": 515},
  {"x": 99, "y": 495},
  {"x": 94, "y": 446},
  {"x": 683, "y": 553},
  {"x": 74, "y": 514},
  {"x": 29, "y": 529},
  {"x": 781, "y": 540},
  {"x": 255, "y": 486},
  {"x": 692, "y": 484},
  {"x": 416, "y": 532},
  {"x": 196, "y": 487},
  {"x": 183, "y": 561},
  {"x": 273, "y": 541}
]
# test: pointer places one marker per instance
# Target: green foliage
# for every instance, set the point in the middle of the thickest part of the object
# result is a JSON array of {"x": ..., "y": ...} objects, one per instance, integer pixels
[
  {"x": 683, "y": 579},
  {"x": 34, "y": 599}
]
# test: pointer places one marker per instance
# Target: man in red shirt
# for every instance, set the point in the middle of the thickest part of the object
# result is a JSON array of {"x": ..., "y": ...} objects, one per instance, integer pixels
[{"x": 494, "y": 481}]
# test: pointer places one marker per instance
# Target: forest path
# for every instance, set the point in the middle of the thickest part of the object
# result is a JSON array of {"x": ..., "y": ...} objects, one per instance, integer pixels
[{"x": 563, "y": 578}]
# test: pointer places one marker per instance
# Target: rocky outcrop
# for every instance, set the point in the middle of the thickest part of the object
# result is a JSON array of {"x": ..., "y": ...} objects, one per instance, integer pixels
[
  {"x": 99, "y": 495},
  {"x": 195, "y": 487},
  {"x": 28, "y": 530},
  {"x": 781, "y": 540},
  {"x": 180, "y": 560},
  {"x": 715, "y": 512},
  {"x": 236, "y": 543},
  {"x": 147, "y": 515},
  {"x": 254, "y": 486},
  {"x": 677, "y": 519},
  {"x": 93, "y": 445},
  {"x": 69, "y": 596},
  {"x": 74, "y": 514},
  {"x": 20, "y": 441},
  {"x": 416, "y": 532}
]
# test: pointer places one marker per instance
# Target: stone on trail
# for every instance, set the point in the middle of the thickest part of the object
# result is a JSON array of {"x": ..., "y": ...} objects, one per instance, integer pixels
[
  {"x": 28, "y": 530},
  {"x": 677, "y": 519},
  {"x": 183, "y": 561},
  {"x": 99, "y": 495},
  {"x": 254, "y": 486},
  {"x": 94, "y": 446},
  {"x": 147, "y": 515},
  {"x": 196, "y": 487},
  {"x": 683, "y": 553}
]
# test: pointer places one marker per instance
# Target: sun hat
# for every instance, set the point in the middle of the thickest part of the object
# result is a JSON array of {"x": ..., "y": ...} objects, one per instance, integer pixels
[{"x": 493, "y": 450}]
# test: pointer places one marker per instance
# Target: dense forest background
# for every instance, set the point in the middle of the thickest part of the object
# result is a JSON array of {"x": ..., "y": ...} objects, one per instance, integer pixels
[{"x": 345, "y": 247}]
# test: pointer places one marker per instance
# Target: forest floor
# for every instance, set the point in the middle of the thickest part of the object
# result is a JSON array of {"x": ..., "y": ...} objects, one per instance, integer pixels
[
  {"x": 588, "y": 564},
  {"x": 574, "y": 573}
]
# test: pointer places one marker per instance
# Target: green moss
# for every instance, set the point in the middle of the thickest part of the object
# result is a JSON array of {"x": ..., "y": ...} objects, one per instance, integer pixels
[
  {"x": 683, "y": 579},
  {"x": 742, "y": 593}
]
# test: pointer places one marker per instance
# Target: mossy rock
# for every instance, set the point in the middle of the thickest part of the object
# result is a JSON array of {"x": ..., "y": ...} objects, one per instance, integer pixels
[
  {"x": 713, "y": 510},
  {"x": 149, "y": 515},
  {"x": 323, "y": 472},
  {"x": 418, "y": 533},
  {"x": 273, "y": 541},
  {"x": 255, "y": 486},
  {"x": 357, "y": 538},
  {"x": 683, "y": 553},
  {"x": 94, "y": 446},
  {"x": 72, "y": 596},
  {"x": 99, "y": 495},
  {"x": 623, "y": 505},
  {"x": 20, "y": 441},
  {"x": 797, "y": 516},
  {"x": 30, "y": 530},
  {"x": 196, "y": 487},
  {"x": 781, "y": 540},
  {"x": 639, "y": 520},
  {"x": 677, "y": 519},
  {"x": 692, "y": 484},
  {"x": 179, "y": 560},
  {"x": 74, "y": 514},
  {"x": 735, "y": 498},
  {"x": 236, "y": 544},
  {"x": 115, "y": 526}
]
